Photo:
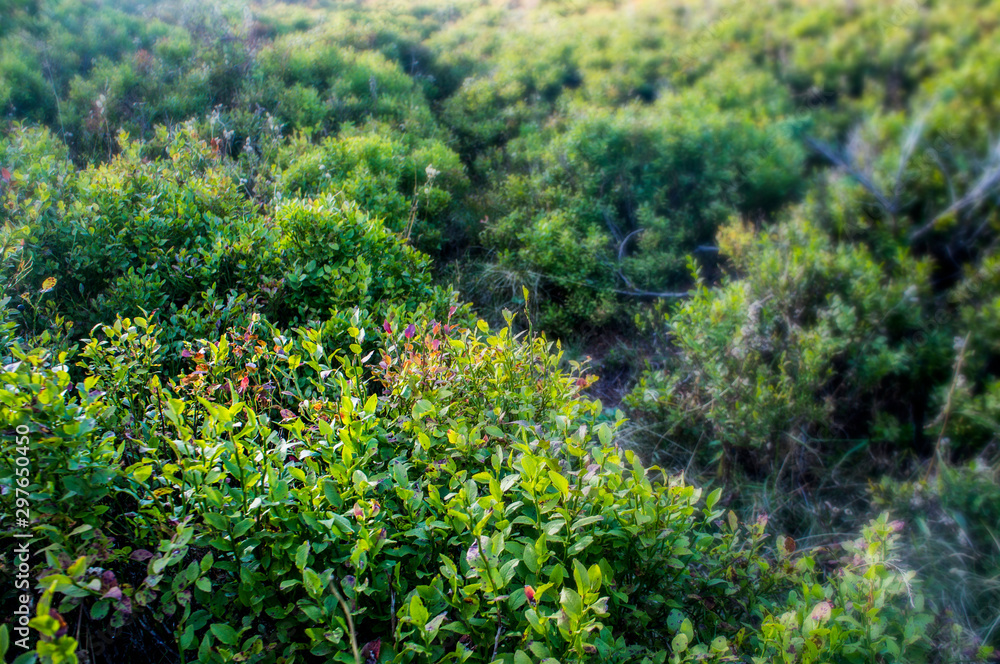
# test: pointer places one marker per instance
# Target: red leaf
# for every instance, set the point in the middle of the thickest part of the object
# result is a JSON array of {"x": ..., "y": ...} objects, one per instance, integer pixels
[
  {"x": 5, "y": 174},
  {"x": 62, "y": 622},
  {"x": 387, "y": 326},
  {"x": 125, "y": 606},
  {"x": 370, "y": 652}
]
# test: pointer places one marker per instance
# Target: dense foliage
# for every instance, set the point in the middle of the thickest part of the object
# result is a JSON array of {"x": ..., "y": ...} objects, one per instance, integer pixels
[{"x": 242, "y": 243}]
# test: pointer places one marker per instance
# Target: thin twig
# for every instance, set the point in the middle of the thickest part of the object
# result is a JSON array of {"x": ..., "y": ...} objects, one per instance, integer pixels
[
  {"x": 989, "y": 180},
  {"x": 862, "y": 179},
  {"x": 909, "y": 145},
  {"x": 350, "y": 622},
  {"x": 947, "y": 405},
  {"x": 642, "y": 293}
]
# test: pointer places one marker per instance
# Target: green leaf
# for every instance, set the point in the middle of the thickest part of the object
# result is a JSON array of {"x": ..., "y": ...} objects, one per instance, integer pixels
[
  {"x": 313, "y": 584},
  {"x": 531, "y": 559},
  {"x": 216, "y": 520},
  {"x": 187, "y": 638},
  {"x": 580, "y": 545},
  {"x": 371, "y": 404},
  {"x": 302, "y": 555},
  {"x": 77, "y": 567},
  {"x": 434, "y": 625},
  {"x": 560, "y": 483},
  {"x": 687, "y": 629},
  {"x": 139, "y": 472},
  {"x": 581, "y": 577},
  {"x": 586, "y": 521},
  {"x": 595, "y": 578},
  {"x": 241, "y": 528},
  {"x": 418, "y": 613},
  {"x": 422, "y": 408},
  {"x": 571, "y": 602},
  {"x": 674, "y": 620},
  {"x": 98, "y": 611},
  {"x": 225, "y": 633},
  {"x": 713, "y": 498},
  {"x": 532, "y": 616},
  {"x": 330, "y": 492}
]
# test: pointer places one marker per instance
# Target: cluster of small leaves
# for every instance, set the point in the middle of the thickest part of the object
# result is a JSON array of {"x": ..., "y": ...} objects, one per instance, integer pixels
[
  {"x": 809, "y": 339},
  {"x": 447, "y": 496},
  {"x": 165, "y": 228}
]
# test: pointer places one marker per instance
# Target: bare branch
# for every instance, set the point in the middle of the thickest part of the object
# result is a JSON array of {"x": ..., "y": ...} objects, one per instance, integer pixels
[
  {"x": 624, "y": 243},
  {"x": 862, "y": 179},
  {"x": 909, "y": 145},
  {"x": 642, "y": 293},
  {"x": 987, "y": 182}
]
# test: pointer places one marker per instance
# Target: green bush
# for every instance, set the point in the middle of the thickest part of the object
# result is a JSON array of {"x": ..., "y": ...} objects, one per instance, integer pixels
[
  {"x": 335, "y": 256},
  {"x": 813, "y": 345},
  {"x": 462, "y": 502},
  {"x": 410, "y": 184},
  {"x": 613, "y": 205},
  {"x": 953, "y": 540}
]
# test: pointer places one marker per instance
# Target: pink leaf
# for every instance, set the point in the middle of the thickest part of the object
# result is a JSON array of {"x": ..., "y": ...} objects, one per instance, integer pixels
[
  {"x": 140, "y": 555},
  {"x": 410, "y": 331}
]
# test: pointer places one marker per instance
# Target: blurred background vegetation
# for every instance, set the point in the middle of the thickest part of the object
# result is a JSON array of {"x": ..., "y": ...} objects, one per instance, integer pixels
[{"x": 772, "y": 226}]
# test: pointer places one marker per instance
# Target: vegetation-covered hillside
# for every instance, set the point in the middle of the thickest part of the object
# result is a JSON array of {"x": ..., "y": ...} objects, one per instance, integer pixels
[{"x": 534, "y": 331}]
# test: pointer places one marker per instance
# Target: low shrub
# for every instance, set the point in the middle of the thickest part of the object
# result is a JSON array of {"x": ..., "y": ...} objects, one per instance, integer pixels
[
  {"x": 809, "y": 349},
  {"x": 452, "y": 497}
]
